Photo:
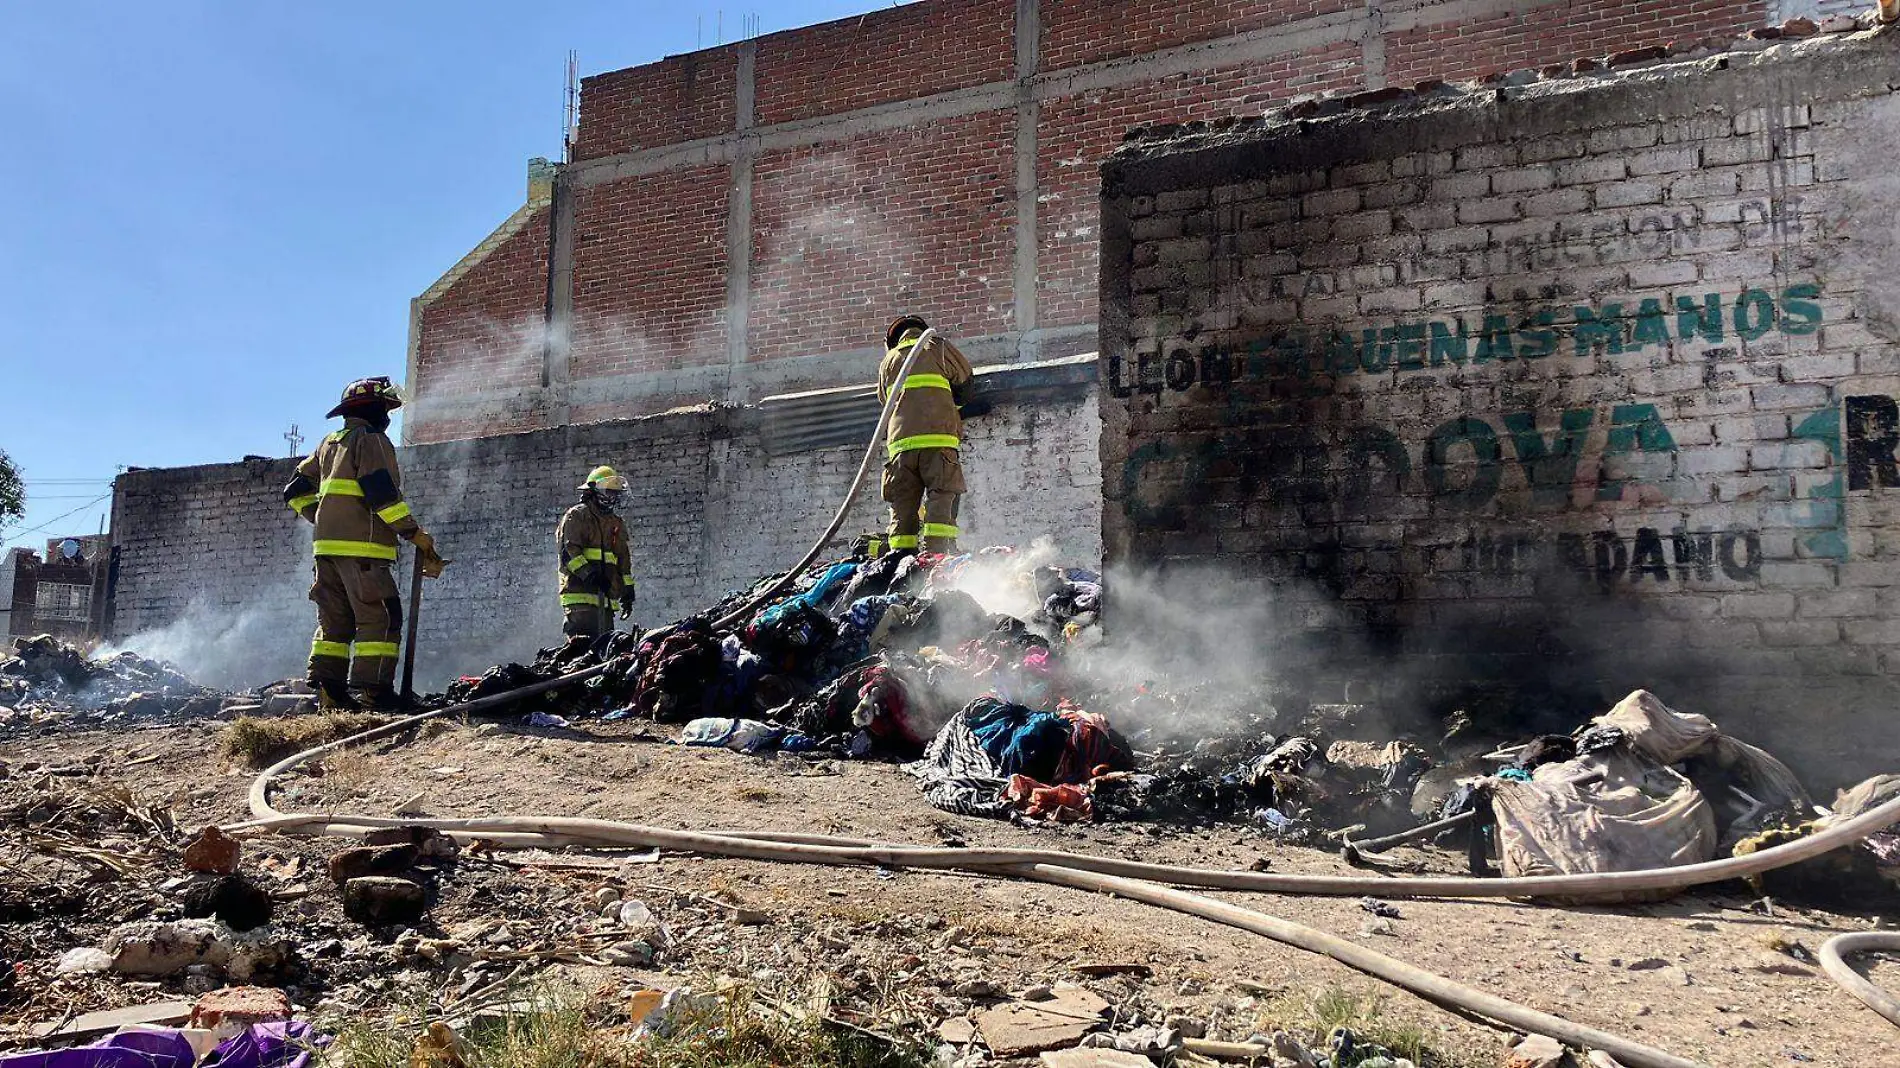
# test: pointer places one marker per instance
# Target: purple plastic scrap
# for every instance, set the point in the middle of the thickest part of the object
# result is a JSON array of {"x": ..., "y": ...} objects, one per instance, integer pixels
[{"x": 265, "y": 1045}]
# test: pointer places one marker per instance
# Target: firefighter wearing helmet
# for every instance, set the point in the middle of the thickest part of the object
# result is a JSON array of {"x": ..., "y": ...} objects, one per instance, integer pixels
[
  {"x": 923, "y": 477},
  {"x": 596, "y": 570},
  {"x": 350, "y": 488}
]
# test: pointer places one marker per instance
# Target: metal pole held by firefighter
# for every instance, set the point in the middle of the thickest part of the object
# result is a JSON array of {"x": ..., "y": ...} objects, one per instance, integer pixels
[{"x": 409, "y": 631}]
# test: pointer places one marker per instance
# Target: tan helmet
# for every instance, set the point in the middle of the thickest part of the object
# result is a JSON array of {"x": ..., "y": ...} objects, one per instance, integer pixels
[
  {"x": 606, "y": 480},
  {"x": 368, "y": 393}
]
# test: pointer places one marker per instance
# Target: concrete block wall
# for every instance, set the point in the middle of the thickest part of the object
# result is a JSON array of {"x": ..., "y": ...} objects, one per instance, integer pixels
[
  {"x": 745, "y": 220},
  {"x": 214, "y": 570},
  {"x": 1535, "y": 393}
]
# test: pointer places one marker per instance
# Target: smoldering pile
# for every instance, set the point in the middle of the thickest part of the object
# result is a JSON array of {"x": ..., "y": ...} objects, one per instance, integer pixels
[
  {"x": 47, "y": 684},
  {"x": 994, "y": 713}
]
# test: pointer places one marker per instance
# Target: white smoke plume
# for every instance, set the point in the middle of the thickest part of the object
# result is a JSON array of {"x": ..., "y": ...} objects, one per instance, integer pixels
[{"x": 261, "y": 642}]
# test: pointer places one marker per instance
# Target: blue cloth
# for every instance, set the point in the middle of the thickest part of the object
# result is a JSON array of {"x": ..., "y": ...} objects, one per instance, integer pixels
[
  {"x": 827, "y": 586},
  {"x": 1020, "y": 740}
]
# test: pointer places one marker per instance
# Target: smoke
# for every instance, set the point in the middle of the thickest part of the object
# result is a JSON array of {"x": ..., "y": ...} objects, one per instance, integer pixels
[{"x": 233, "y": 649}]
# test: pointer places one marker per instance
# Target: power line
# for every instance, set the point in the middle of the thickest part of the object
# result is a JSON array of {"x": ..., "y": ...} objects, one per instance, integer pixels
[{"x": 58, "y": 518}]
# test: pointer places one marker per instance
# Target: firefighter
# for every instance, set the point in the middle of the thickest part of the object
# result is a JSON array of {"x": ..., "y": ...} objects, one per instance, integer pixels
[
  {"x": 350, "y": 488},
  {"x": 923, "y": 478},
  {"x": 596, "y": 569}
]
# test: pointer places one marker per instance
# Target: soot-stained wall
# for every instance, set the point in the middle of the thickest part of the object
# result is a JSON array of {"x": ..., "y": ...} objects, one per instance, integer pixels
[
  {"x": 1535, "y": 394},
  {"x": 214, "y": 569}
]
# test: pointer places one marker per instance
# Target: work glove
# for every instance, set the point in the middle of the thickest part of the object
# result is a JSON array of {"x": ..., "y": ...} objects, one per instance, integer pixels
[
  {"x": 626, "y": 605},
  {"x": 430, "y": 561}
]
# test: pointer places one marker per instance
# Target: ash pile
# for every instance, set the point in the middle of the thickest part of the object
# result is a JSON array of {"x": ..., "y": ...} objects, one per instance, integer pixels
[{"x": 48, "y": 685}]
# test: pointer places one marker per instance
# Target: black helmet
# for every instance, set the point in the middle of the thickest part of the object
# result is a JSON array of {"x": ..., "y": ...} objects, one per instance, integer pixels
[{"x": 900, "y": 325}]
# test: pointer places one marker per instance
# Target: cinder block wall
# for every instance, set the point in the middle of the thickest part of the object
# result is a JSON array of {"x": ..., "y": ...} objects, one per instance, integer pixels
[
  {"x": 214, "y": 569},
  {"x": 744, "y": 220},
  {"x": 1535, "y": 394}
]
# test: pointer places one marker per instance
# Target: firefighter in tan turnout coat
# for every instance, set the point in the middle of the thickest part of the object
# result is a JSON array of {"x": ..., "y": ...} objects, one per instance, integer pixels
[
  {"x": 350, "y": 488},
  {"x": 923, "y": 478},
  {"x": 596, "y": 570}
]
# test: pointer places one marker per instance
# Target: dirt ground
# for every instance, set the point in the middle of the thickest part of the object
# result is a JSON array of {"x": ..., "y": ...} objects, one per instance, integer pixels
[{"x": 1700, "y": 975}]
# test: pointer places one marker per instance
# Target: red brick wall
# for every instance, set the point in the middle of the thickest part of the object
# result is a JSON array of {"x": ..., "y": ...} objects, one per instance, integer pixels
[
  {"x": 896, "y": 54},
  {"x": 1078, "y": 131},
  {"x": 844, "y": 239},
  {"x": 681, "y": 98},
  {"x": 1075, "y": 32},
  {"x": 650, "y": 273},
  {"x": 1558, "y": 33},
  {"x": 485, "y": 332},
  {"x": 841, "y": 241}
]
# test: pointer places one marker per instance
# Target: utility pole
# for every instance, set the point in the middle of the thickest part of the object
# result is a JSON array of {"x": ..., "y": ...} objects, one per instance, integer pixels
[{"x": 295, "y": 439}]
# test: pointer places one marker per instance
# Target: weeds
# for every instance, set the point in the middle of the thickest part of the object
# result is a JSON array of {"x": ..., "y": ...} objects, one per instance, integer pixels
[
  {"x": 259, "y": 741},
  {"x": 1315, "y": 1016},
  {"x": 569, "y": 1032}
]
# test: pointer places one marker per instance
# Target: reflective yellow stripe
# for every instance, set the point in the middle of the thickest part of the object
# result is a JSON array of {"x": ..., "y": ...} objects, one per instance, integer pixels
[
  {"x": 298, "y": 504},
  {"x": 924, "y": 441},
  {"x": 940, "y": 530},
  {"x": 366, "y": 550},
  {"x": 926, "y": 382},
  {"x": 323, "y": 648},
  {"x": 399, "y": 510},
  {"x": 374, "y": 649},
  {"x": 570, "y": 599},
  {"x": 903, "y": 541},
  {"x": 341, "y": 487},
  {"x": 587, "y": 556},
  {"x": 628, "y": 580},
  {"x": 909, "y": 341}
]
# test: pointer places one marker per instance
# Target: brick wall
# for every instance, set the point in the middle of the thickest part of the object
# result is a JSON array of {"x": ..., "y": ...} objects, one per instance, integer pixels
[
  {"x": 486, "y": 331},
  {"x": 937, "y": 156},
  {"x": 214, "y": 570},
  {"x": 844, "y": 232},
  {"x": 649, "y": 275},
  {"x": 1535, "y": 395}
]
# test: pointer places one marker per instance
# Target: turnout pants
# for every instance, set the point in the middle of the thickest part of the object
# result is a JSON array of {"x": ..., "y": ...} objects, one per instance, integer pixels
[
  {"x": 357, "y": 611},
  {"x": 923, "y": 487},
  {"x": 585, "y": 620}
]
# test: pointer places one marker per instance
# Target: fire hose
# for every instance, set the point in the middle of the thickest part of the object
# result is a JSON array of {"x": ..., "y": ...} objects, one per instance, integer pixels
[
  {"x": 1136, "y": 880},
  {"x": 851, "y": 495}
]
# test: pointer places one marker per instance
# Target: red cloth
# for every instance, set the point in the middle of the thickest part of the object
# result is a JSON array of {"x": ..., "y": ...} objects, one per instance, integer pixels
[{"x": 1056, "y": 804}]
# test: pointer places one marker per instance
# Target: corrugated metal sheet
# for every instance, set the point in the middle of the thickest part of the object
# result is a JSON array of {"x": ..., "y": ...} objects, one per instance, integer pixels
[{"x": 825, "y": 418}]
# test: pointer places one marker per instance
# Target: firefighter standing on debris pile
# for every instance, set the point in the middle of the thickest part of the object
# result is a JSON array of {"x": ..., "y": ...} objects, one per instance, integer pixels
[
  {"x": 596, "y": 569},
  {"x": 923, "y": 477},
  {"x": 350, "y": 488}
]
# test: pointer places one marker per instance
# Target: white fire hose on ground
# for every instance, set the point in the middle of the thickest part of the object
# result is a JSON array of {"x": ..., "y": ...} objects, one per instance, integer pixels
[{"x": 1135, "y": 880}]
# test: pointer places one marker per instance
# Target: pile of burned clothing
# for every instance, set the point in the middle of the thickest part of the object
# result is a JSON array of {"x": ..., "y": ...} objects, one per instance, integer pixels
[
  {"x": 857, "y": 657},
  {"x": 1639, "y": 787},
  {"x": 995, "y": 758},
  {"x": 1290, "y": 787},
  {"x": 49, "y": 684}
]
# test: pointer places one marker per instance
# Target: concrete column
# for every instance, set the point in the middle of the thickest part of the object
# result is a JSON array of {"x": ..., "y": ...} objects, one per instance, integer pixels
[
  {"x": 557, "y": 345},
  {"x": 739, "y": 227},
  {"x": 1028, "y": 115},
  {"x": 1372, "y": 45}
]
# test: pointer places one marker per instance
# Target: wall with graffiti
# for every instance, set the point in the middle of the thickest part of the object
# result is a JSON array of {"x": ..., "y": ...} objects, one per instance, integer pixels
[{"x": 1550, "y": 390}]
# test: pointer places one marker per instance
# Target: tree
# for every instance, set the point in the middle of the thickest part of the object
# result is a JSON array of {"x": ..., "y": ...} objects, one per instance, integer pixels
[{"x": 12, "y": 492}]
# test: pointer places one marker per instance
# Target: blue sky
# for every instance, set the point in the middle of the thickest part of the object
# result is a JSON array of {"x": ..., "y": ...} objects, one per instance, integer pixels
[{"x": 214, "y": 214}]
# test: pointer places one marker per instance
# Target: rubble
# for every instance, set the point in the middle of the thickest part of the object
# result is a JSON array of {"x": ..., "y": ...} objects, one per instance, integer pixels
[
  {"x": 382, "y": 899},
  {"x": 48, "y": 685},
  {"x": 161, "y": 948}
]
